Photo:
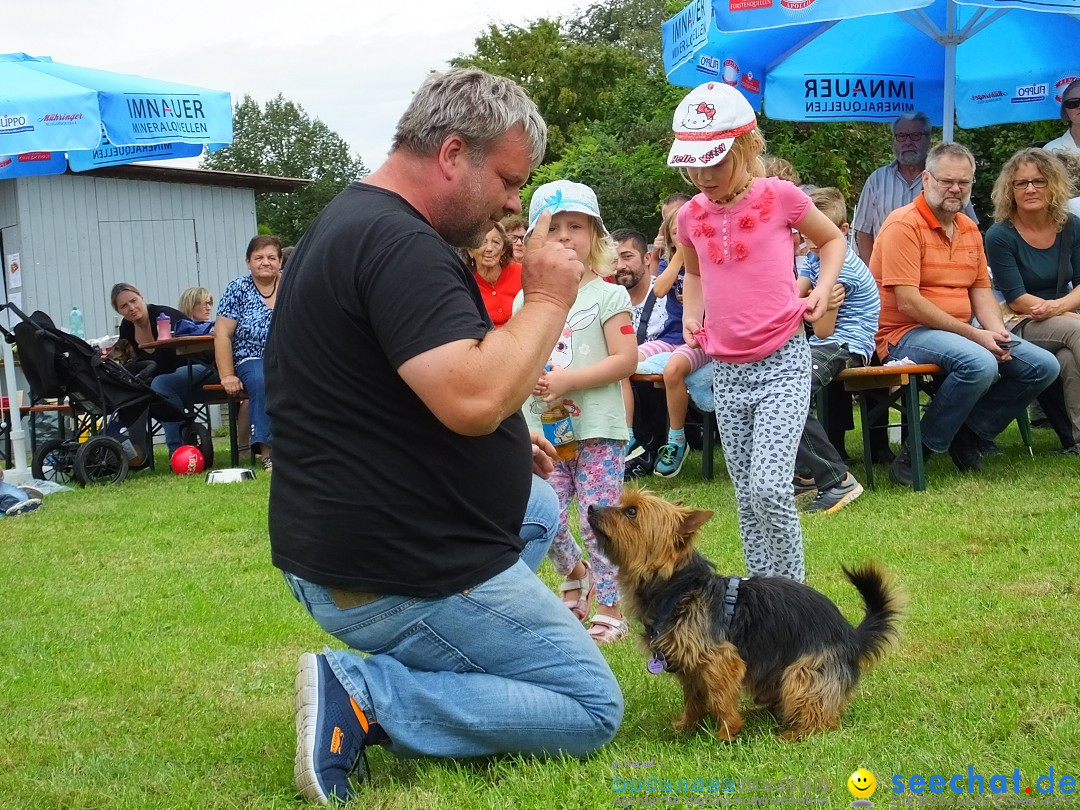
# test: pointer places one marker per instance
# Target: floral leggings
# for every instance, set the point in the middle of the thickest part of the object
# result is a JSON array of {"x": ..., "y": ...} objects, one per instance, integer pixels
[{"x": 595, "y": 476}]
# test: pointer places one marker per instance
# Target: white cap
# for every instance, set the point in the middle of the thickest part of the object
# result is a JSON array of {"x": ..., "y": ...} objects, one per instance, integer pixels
[
  {"x": 564, "y": 195},
  {"x": 706, "y": 123}
]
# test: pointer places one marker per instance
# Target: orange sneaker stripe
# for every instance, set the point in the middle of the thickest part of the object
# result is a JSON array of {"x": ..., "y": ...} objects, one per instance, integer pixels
[{"x": 360, "y": 715}]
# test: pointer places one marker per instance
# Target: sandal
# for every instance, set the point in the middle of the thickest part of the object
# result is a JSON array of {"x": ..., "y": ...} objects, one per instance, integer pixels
[
  {"x": 604, "y": 629},
  {"x": 587, "y": 590}
]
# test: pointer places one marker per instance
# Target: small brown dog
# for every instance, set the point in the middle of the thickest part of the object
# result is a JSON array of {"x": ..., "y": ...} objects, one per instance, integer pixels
[{"x": 786, "y": 643}]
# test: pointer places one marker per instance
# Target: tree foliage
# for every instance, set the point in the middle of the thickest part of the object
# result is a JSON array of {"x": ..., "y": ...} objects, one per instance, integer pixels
[
  {"x": 280, "y": 139},
  {"x": 599, "y": 83}
]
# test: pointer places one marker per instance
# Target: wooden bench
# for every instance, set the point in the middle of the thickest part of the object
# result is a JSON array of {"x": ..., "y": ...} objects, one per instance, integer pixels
[
  {"x": 217, "y": 391},
  {"x": 901, "y": 384},
  {"x": 708, "y": 420}
]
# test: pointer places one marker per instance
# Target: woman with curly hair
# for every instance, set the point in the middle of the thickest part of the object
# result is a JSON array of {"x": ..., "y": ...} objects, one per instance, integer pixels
[{"x": 1033, "y": 249}]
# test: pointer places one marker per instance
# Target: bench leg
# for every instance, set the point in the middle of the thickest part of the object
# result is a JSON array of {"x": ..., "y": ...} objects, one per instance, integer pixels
[
  {"x": 708, "y": 424},
  {"x": 868, "y": 458},
  {"x": 910, "y": 397},
  {"x": 234, "y": 445}
]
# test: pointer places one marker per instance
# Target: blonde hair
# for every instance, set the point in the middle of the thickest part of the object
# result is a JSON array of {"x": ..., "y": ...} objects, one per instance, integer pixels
[
  {"x": 192, "y": 297},
  {"x": 747, "y": 151},
  {"x": 667, "y": 228},
  {"x": 780, "y": 167},
  {"x": 1058, "y": 186},
  {"x": 1070, "y": 161},
  {"x": 602, "y": 251},
  {"x": 831, "y": 203}
]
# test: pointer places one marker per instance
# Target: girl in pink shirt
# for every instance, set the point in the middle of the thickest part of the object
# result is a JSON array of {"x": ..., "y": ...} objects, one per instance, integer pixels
[{"x": 741, "y": 305}]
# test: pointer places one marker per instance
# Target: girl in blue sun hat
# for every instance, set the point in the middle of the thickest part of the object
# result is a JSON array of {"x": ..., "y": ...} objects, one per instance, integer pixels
[{"x": 597, "y": 350}]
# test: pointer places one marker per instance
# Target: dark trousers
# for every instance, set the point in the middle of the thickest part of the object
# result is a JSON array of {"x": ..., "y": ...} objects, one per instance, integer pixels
[
  {"x": 816, "y": 453},
  {"x": 650, "y": 415}
]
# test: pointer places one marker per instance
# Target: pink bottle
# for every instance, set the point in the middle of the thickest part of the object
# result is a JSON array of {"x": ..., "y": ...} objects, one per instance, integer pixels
[{"x": 164, "y": 327}]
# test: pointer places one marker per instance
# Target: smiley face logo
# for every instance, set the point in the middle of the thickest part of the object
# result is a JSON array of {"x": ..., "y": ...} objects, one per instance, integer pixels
[{"x": 862, "y": 784}]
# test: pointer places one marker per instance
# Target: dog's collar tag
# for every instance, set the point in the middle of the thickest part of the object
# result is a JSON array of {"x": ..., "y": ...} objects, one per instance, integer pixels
[{"x": 657, "y": 663}]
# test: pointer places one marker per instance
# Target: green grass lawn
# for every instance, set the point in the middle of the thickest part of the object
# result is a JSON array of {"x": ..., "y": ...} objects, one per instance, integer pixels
[{"x": 147, "y": 652}]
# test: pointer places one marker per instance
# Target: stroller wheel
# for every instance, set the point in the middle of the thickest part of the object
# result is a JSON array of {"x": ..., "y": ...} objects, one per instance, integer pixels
[
  {"x": 198, "y": 435},
  {"x": 101, "y": 460},
  {"x": 54, "y": 461}
]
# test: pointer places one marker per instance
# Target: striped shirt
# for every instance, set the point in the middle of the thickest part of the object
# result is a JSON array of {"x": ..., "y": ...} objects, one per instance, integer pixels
[
  {"x": 885, "y": 191},
  {"x": 916, "y": 252},
  {"x": 857, "y": 320}
]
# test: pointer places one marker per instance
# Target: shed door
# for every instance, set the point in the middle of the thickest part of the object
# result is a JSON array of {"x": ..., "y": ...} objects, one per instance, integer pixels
[{"x": 160, "y": 257}]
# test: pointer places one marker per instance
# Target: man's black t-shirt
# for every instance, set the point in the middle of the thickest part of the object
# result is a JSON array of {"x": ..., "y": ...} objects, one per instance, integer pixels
[{"x": 370, "y": 491}]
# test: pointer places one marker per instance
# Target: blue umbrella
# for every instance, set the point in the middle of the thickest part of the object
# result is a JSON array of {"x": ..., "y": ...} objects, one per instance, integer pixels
[
  {"x": 990, "y": 61},
  {"x": 99, "y": 118}
]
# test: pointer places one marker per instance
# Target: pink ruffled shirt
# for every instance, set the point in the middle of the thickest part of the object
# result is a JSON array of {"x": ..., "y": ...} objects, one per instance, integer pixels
[{"x": 746, "y": 259}]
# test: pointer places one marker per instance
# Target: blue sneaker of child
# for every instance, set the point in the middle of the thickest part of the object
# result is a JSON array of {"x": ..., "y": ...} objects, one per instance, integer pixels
[{"x": 670, "y": 459}]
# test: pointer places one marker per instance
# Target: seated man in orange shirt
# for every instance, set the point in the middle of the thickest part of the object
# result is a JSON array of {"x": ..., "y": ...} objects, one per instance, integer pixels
[{"x": 931, "y": 272}]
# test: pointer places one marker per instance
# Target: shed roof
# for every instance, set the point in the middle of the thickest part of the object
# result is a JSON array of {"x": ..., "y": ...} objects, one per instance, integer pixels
[{"x": 202, "y": 177}]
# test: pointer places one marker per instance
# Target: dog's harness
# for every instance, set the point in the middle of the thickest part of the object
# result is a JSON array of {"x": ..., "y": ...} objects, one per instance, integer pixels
[{"x": 658, "y": 663}]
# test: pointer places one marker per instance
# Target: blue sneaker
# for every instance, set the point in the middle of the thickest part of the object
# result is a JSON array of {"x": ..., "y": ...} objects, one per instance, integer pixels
[
  {"x": 23, "y": 507},
  {"x": 330, "y": 738},
  {"x": 670, "y": 459}
]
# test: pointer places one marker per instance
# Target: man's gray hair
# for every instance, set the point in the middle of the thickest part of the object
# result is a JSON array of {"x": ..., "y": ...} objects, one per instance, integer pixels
[
  {"x": 953, "y": 150},
  {"x": 922, "y": 118},
  {"x": 475, "y": 105}
]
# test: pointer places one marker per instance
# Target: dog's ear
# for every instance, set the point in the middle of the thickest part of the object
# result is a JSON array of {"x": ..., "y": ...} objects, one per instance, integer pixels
[{"x": 692, "y": 521}]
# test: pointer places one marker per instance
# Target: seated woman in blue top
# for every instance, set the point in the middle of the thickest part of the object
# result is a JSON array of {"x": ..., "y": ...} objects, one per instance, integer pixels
[
  {"x": 169, "y": 375},
  {"x": 1033, "y": 249},
  {"x": 243, "y": 323}
]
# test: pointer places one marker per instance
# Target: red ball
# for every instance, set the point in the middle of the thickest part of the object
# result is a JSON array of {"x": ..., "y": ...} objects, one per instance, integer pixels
[{"x": 188, "y": 460}]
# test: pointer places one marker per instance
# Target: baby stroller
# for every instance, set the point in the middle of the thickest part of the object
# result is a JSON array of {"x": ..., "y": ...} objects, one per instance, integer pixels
[{"x": 101, "y": 393}]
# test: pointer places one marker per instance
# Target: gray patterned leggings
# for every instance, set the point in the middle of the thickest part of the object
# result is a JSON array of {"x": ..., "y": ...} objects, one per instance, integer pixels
[{"x": 761, "y": 410}]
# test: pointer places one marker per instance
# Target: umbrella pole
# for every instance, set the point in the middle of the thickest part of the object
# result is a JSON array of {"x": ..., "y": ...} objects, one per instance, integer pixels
[
  {"x": 20, "y": 474},
  {"x": 949, "y": 40}
]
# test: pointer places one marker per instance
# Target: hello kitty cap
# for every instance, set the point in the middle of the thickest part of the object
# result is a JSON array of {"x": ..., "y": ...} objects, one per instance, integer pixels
[
  {"x": 706, "y": 123},
  {"x": 564, "y": 195}
]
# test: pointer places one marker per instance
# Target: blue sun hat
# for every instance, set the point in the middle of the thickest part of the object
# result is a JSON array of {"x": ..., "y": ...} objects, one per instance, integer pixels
[{"x": 564, "y": 195}]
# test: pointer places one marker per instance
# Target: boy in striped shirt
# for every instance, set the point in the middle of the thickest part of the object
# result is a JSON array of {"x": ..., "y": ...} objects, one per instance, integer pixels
[{"x": 851, "y": 343}]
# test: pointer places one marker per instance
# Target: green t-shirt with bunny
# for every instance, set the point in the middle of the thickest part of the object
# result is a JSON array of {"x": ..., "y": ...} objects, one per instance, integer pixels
[{"x": 597, "y": 413}]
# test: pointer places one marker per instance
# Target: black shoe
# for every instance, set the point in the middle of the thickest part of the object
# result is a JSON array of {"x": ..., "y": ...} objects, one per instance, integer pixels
[
  {"x": 882, "y": 455},
  {"x": 640, "y": 467},
  {"x": 900, "y": 470},
  {"x": 964, "y": 450},
  {"x": 803, "y": 484}
]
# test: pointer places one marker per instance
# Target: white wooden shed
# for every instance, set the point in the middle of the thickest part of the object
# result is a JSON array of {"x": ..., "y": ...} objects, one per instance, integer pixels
[{"x": 162, "y": 229}]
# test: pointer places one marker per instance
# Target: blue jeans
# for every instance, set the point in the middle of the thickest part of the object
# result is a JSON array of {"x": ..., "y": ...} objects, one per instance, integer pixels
[
  {"x": 174, "y": 387},
  {"x": 502, "y": 667},
  {"x": 250, "y": 373},
  {"x": 11, "y": 495},
  {"x": 540, "y": 524},
  {"x": 979, "y": 391}
]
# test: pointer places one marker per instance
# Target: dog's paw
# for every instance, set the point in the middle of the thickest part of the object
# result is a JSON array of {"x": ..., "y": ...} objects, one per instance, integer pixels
[
  {"x": 729, "y": 730},
  {"x": 793, "y": 734},
  {"x": 685, "y": 724}
]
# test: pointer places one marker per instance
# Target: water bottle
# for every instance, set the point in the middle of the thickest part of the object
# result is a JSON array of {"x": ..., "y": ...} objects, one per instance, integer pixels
[
  {"x": 75, "y": 323},
  {"x": 125, "y": 442},
  {"x": 164, "y": 327}
]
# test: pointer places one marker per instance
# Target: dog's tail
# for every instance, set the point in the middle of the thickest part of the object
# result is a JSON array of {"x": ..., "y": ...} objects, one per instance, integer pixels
[{"x": 885, "y": 602}]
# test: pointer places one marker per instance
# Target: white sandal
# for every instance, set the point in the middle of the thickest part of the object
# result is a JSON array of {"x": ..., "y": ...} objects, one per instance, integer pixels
[
  {"x": 587, "y": 590},
  {"x": 605, "y": 629}
]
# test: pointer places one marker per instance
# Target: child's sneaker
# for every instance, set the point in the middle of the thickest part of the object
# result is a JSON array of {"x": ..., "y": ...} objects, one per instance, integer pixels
[
  {"x": 331, "y": 734},
  {"x": 23, "y": 507},
  {"x": 670, "y": 459},
  {"x": 835, "y": 497}
]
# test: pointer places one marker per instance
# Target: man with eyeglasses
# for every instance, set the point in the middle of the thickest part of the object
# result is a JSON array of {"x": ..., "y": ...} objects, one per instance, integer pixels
[
  {"x": 931, "y": 272},
  {"x": 896, "y": 184}
]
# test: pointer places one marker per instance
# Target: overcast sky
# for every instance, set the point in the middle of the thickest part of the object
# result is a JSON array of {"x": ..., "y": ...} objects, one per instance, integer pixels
[{"x": 352, "y": 64}]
